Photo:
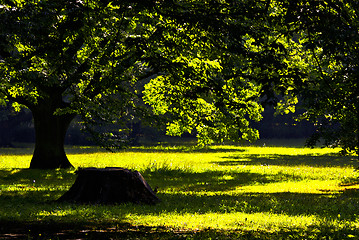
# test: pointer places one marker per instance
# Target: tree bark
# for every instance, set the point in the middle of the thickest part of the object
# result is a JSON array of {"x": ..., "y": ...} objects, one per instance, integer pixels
[
  {"x": 50, "y": 131},
  {"x": 109, "y": 186}
]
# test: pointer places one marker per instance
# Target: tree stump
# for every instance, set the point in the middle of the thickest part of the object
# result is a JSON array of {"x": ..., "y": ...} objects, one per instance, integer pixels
[{"x": 109, "y": 186}]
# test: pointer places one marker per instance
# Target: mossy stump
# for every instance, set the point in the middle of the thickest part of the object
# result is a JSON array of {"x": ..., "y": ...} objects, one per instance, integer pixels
[{"x": 109, "y": 186}]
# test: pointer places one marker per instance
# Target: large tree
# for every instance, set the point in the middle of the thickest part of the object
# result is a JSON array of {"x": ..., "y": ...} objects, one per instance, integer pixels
[
  {"x": 203, "y": 66},
  {"x": 327, "y": 33}
]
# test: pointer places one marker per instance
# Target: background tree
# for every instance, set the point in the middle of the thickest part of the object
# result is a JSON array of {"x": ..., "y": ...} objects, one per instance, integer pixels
[
  {"x": 328, "y": 36},
  {"x": 12, "y": 124},
  {"x": 217, "y": 99}
]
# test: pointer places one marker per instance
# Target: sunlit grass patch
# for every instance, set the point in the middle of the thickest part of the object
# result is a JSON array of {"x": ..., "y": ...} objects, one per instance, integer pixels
[{"x": 227, "y": 221}]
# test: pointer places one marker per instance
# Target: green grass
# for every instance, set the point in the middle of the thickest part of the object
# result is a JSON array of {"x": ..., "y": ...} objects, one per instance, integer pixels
[{"x": 223, "y": 192}]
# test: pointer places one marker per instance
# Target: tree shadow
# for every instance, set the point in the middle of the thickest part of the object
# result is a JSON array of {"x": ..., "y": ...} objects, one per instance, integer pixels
[
  {"x": 210, "y": 191},
  {"x": 341, "y": 206},
  {"x": 48, "y": 230},
  {"x": 324, "y": 160},
  {"x": 191, "y": 192},
  {"x": 181, "y": 191},
  {"x": 16, "y": 151},
  {"x": 29, "y": 175},
  {"x": 210, "y": 181},
  {"x": 35, "y": 186}
]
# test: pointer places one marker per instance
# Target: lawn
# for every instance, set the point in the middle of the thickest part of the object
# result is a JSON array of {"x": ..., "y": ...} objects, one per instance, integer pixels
[{"x": 220, "y": 192}]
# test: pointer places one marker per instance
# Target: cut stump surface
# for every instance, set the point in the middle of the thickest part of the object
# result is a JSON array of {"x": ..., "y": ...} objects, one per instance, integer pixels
[{"x": 109, "y": 186}]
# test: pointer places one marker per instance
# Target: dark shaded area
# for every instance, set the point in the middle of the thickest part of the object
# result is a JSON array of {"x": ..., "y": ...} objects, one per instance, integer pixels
[
  {"x": 293, "y": 204},
  {"x": 326, "y": 160},
  {"x": 189, "y": 149},
  {"x": 282, "y": 126},
  {"x": 18, "y": 127},
  {"x": 15, "y": 126},
  {"x": 209, "y": 181},
  {"x": 48, "y": 230}
]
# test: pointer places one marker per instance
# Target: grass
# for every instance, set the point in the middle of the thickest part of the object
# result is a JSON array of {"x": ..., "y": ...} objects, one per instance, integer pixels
[{"x": 223, "y": 192}]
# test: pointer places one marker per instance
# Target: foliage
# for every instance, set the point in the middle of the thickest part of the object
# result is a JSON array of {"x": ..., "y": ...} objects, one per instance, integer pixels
[
  {"x": 245, "y": 192},
  {"x": 93, "y": 58},
  {"x": 67, "y": 52},
  {"x": 196, "y": 66},
  {"x": 327, "y": 33}
]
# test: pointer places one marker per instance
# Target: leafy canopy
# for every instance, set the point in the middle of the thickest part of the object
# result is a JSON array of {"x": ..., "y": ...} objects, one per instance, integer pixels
[
  {"x": 201, "y": 66},
  {"x": 328, "y": 34},
  {"x": 95, "y": 58}
]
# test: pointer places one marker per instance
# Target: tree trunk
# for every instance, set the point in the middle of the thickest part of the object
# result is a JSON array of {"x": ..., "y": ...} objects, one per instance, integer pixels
[
  {"x": 50, "y": 131},
  {"x": 109, "y": 186}
]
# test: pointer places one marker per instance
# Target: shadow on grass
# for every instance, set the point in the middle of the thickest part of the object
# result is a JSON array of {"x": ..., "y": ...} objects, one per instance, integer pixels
[
  {"x": 183, "y": 191},
  {"x": 16, "y": 151},
  {"x": 34, "y": 201},
  {"x": 46, "y": 230},
  {"x": 211, "y": 181},
  {"x": 35, "y": 176},
  {"x": 33, "y": 186},
  {"x": 324, "y": 160},
  {"x": 207, "y": 192},
  {"x": 327, "y": 206},
  {"x": 147, "y": 149}
]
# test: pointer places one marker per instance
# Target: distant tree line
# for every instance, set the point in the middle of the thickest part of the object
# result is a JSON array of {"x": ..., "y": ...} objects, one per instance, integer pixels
[
  {"x": 17, "y": 127},
  {"x": 283, "y": 126}
]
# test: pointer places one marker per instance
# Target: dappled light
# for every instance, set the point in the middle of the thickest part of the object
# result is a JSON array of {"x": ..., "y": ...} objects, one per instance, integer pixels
[
  {"x": 235, "y": 86},
  {"x": 255, "y": 189}
]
